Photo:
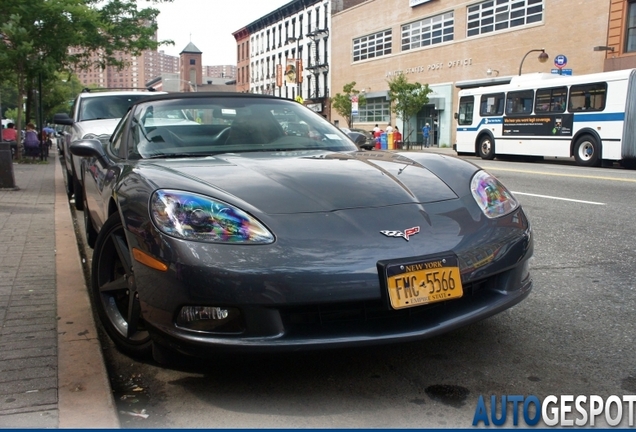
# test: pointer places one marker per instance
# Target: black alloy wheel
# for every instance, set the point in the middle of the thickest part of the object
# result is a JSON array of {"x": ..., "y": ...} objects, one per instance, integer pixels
[{"x": 115, "y": 291}]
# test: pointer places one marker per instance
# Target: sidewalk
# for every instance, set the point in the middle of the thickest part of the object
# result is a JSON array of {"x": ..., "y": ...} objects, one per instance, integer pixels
[{"x": 52, "y": 372}]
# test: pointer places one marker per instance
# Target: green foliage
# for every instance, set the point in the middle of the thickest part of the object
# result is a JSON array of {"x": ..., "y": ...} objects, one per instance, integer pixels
[
  {"x": 37, "y": 35},
  {"x": 407, "y": 99},
  {"x": 341, "y": 102}
]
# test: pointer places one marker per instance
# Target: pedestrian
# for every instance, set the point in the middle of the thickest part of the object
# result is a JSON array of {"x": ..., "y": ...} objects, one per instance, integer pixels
[
  {"x": 10, "y": 135},
  {"x": 426, "y": 130},
  {"x": 389, "y": 129},
  {"x": 397, "y": 138},
  {"x": 377, "y": 134},
  {"x": 31, "y": 141}
]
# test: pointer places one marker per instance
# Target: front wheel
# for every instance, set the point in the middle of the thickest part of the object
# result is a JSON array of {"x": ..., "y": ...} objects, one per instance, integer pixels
[
  {"x": 587, "y": 151},
  {"x": 486, "y": 147},
  {"x": 115, "y": 291}
]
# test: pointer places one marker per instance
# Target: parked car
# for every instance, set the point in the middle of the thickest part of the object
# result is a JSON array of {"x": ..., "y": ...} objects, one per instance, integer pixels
[
  {"x": 94, "y": 114},
  {"x": 363, "y": 139},
  {"x": 229, "y": 234}
]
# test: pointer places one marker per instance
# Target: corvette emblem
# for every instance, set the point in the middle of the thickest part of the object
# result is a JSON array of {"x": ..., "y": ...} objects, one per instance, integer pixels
[{"x": 405, "y": 235}]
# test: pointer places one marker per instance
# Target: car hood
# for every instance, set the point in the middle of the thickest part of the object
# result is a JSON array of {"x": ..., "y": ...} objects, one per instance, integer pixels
[
  {"x": 97, "y": 127},
  {"x": 307, "y": 182}
]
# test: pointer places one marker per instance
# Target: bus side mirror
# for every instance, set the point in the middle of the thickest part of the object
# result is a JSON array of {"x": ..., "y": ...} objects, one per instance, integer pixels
[{"x": 455, "y": 116}]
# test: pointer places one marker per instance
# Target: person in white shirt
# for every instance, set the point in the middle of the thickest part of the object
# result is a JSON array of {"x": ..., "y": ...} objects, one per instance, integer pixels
[{"x": 389, "y": 129}]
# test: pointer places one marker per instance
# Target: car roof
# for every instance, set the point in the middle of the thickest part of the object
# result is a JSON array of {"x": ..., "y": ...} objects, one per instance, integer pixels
[{"x": 84, "y": 95}]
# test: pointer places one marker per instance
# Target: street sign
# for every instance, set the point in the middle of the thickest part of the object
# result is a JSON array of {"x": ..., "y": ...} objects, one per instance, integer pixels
[
  {"x": 560, "y": 61},
  {"x": 561, "y": 71}
]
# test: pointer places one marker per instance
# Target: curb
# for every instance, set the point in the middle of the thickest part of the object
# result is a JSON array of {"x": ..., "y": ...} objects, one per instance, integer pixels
[{"x": 85, "y": 398}]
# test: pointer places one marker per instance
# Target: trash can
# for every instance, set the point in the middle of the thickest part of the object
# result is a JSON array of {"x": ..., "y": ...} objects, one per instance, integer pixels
[{"x": 7, "y": 180}]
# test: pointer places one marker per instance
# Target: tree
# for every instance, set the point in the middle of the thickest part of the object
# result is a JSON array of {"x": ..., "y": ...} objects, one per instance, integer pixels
[
  {"x": 407, "y": 100},
  {"x": 342, "y": 102},
  {"x": 37, "y": 35}
]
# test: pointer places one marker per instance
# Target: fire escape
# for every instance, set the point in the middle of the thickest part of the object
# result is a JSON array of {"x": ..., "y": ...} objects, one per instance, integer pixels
[{"x": 318, "y": 63}]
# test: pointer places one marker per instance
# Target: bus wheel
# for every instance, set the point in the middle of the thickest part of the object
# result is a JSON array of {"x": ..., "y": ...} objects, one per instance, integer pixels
[
  {"x": 587, "y": 151},
  {"x": 486, "y": 148}
]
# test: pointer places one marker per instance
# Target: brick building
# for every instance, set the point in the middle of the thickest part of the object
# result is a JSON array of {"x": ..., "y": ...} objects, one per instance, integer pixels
[{"x": 442, "y": 43}]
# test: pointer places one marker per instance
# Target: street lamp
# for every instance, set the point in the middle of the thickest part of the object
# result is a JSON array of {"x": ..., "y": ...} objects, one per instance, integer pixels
[{"x": 543, "y": 57}]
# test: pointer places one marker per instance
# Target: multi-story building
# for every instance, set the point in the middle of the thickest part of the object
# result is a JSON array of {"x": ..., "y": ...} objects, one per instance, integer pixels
[
  {"x": 289, "y": 53},
  {"x": 620, "y": 49},
  {"x": 220, "y": 71},
  {"x": 451, "y": 44},
  {"x": 242, "y": 37}
]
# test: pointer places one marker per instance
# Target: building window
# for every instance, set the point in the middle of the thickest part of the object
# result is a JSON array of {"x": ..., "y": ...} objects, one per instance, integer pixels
[
  {"x": 496, "y": 15},
  {"x": 376, "y": 110},
  {"x": 375, "y": 45},
  {"x": 193, "y": 61},
  {"x": 429, "y": 31},
  {"x": 630, "y": 45}
]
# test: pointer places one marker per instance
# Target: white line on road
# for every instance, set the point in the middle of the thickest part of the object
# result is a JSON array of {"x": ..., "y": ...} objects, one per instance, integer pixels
[{"x": 559, "y": 198}]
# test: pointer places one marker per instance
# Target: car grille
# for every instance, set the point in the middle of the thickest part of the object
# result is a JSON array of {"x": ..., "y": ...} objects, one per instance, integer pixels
[{"x": 368, "y": 315}]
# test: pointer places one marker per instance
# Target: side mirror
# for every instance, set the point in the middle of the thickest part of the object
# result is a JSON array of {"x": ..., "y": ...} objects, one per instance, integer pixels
[
  {"x": 63, "y": 119},
  {"x": 90, "y": 148},
  {"x": 455, "y": 116}
]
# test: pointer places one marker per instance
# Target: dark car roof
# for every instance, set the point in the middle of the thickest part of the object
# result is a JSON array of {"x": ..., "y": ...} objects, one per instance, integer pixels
[{"x": 201, "y": 95}]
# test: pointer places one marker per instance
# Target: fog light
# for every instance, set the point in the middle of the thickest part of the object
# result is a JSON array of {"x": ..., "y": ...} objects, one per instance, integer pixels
[{"x": 211, "y": 319}]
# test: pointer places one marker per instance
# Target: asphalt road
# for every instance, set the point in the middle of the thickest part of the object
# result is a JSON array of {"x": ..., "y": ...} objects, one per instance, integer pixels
[{"x": 573, "y": 335}]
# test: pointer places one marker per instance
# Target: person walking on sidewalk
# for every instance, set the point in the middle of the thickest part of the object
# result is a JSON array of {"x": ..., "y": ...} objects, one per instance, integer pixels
[{"x": 426, "y": 132}]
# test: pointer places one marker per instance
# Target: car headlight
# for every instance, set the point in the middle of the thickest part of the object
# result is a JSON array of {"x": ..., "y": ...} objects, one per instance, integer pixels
[
  {"x": 104, "y": 138},
  {"x": 492, "y": 197},
  {"x": 190, "y": 216}
]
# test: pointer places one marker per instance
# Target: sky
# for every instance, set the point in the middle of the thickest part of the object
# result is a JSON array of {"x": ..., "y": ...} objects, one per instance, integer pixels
[{"x": 208, "y": 24}]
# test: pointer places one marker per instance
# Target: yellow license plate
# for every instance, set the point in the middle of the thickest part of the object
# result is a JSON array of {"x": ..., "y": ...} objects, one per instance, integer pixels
[{"x": 423, "y": 282}]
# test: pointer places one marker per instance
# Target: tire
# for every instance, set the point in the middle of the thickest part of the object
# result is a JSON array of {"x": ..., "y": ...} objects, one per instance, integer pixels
[
  {"x": 587, "y": 151},
  {"x": 69, "y": 184},
  {"x": 89, "y": 229},
  {"x": 79, "y": 193},
  {"x": 115, "y": 293},
  {"x": 486, "y": 147}
]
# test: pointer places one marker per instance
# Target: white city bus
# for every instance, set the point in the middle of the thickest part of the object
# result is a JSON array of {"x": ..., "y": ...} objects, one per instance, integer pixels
[{"x": 591, "y": 117}]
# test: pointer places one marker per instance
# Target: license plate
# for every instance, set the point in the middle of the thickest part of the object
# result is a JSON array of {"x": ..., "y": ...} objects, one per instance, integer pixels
[{"x": 423, "y": 282}]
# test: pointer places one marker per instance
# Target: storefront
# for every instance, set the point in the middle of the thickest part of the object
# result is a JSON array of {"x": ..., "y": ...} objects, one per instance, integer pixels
[{"x": 441, "y": 43}]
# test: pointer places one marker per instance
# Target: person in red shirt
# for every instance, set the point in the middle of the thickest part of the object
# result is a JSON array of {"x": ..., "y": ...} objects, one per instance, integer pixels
[
  {"x": 397, "y": 138},
  {"x": 10, "y": 134},
  {"x": 376, "y": 135}
]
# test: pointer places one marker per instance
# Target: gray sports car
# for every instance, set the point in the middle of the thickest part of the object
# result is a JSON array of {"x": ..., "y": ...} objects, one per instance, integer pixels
[{"x": 216, "y": 230}]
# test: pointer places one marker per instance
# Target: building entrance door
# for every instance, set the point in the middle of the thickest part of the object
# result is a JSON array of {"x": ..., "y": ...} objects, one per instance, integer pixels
[{"x": 428, "y": 114}]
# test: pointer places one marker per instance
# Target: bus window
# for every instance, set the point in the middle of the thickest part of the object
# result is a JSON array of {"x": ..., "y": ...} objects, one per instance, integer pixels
[
  {"x": 492, "y": 105},
  {"x": 519, "y": 102},
  {"x": 588, "y": 97},
  {"x": 550, "y": 100},
  {"x": 466, "y": 107}
]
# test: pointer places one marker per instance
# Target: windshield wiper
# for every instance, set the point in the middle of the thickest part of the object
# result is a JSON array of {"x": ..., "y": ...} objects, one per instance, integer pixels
[{"x": 172, "y": 155}]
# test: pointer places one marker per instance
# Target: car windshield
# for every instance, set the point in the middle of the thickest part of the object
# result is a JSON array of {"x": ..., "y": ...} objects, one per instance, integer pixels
[
  {"x": 106, "y": 107},
  {"x": 203, "y": 126}
]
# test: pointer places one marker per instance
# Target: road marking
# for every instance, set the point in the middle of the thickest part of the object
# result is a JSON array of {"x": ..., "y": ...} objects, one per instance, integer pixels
[
  {"x": 558, "y": 198},
  {"x": 562, "y": 175}
]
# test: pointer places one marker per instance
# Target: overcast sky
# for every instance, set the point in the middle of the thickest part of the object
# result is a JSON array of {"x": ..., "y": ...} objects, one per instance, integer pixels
[{"x": 209, "y": 24}]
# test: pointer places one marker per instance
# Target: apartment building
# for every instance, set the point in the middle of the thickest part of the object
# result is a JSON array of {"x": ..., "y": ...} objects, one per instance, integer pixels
[
  {"x": 287, "y": 53},
  {"x": 449, "y": 44}
]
